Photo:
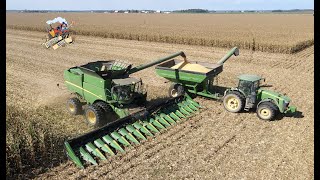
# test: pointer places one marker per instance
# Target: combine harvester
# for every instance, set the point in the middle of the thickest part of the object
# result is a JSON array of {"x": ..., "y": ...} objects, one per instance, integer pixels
[
  {"x": 102, "y": 87},
  {"x": 106, "y": 86},
  {"x": 58, "y": 36}
]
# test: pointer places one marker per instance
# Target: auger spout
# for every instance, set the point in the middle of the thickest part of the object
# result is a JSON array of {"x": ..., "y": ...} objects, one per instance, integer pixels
[
  {"x": 144, "y": 66},
  {"x": 233, "y": 51}
]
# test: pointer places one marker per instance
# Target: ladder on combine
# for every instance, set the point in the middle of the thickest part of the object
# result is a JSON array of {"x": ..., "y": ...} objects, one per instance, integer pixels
[{"x": 112, "y": 138}]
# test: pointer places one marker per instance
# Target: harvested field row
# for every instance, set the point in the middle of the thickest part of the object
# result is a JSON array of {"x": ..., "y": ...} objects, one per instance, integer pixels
[
  {"x": 287, "y": 33},
  {"x": 214, "y": 144}
]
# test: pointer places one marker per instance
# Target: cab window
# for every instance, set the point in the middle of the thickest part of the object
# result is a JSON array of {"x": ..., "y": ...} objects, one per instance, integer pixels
[
  {"x": 255, "y": 86},
  {"x": 245, "y": 86}
]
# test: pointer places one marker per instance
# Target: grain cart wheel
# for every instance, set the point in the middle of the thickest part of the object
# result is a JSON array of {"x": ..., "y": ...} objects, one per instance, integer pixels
[
  {"x": 176, "y": 90},
  {"x": 94, "y": 115},
  {"x": 74, "y": 106},
  {"x": 267, "y": 111},
  {"x": 233, "y": 102}
]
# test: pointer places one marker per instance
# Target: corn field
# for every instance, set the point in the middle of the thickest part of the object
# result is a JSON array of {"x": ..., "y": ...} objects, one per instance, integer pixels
[{"x": 284, "y": 33}]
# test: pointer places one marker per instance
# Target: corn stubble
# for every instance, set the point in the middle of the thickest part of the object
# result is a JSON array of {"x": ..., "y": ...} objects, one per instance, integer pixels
[
  {"x": 34, "y": 138},
  {"x": 280, "y": 33}
]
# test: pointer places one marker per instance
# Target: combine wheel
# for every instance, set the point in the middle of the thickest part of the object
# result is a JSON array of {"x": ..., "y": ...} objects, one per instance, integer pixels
[
  {"x": 267, "y": 111},
  {"x": 104, "y": 107},
  {"x": 74, "y": 106},
  {"x": 233, "y": 102},
  {"x": 176, "y": 90},
  {"x": 141, "y": 101},
  {"x": 94, "y": 115}
]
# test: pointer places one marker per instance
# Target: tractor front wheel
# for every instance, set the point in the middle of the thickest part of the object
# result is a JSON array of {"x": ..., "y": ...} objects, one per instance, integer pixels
[
  {"x": 176, "y": 90},
  {"x": 74, "y": 106},
  {"x": 267, "y": 111},
  {"x": 94, "y": 115},
  {"x": 233, "y": 101}
]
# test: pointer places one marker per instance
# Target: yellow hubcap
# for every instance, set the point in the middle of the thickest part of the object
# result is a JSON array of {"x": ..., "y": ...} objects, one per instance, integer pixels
[
  {"x": 71, "y": 107},
  {"x": 174, "y": 93},
  {"x": 265, "y": 113},
  {"x": 233, "y": 103},
  {"x": 91, "y": 117}
]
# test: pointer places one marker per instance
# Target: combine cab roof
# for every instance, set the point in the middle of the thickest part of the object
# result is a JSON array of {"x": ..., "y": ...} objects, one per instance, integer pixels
[
  {"x": 125, "y": 81},
  {"x": 249, "y": 77}
]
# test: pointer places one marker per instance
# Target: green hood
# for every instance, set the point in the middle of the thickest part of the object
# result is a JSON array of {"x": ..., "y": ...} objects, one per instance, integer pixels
[{"x": 275, "y": 94}]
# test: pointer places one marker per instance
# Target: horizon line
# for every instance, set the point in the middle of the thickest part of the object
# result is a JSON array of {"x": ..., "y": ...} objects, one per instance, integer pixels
[{"x": 158, "y": 9}]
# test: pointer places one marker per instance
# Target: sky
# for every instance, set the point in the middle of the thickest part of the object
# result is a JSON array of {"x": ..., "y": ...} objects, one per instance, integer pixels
[{"x": 158, "y": 4}]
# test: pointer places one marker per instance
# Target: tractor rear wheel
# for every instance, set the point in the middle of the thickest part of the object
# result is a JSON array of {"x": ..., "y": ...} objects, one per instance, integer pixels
[
  {"x": 176, "y": 90},
  {"x": 74, "y": 106},
  {"x": 233, "y": 101},
  {"x": 94, "y": 115},
  {"x": 267, "y": 111}
]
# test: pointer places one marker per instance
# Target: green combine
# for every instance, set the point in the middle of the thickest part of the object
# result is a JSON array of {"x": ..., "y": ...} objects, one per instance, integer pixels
[{"x": 103, "y": 87}]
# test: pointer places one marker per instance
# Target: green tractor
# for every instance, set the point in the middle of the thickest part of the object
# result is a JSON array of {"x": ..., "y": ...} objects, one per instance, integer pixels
[{"x": 249, "y": 94}]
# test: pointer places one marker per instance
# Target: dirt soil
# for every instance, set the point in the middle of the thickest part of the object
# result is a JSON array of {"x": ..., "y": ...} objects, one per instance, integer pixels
[{"x": 215, "y": 144}]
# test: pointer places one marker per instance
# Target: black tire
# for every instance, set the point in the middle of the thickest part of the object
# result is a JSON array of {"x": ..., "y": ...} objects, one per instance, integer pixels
[
  {"x": 74, "y": 106},
  {"x": 104, "y": 106},
  {"x": 141, "y": 101},
  {"x": 234, "y": 101},
  {"x": 94, "y": 115},
  {"x": 176, "y": 90},
  {"x": 267, "y": 111}
]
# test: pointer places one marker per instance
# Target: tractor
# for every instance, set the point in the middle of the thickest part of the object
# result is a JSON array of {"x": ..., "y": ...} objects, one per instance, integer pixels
[{"x": 249, "y": 94}]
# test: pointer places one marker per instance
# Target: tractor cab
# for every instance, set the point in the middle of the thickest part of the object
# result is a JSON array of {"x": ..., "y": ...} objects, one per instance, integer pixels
[{"x": 249, "y": 83}]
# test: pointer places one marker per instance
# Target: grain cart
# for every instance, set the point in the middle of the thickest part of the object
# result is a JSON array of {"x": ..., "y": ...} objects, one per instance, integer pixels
[
  {"x": 197, "y": 78},
  {"x": 104, "y": 86}
]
